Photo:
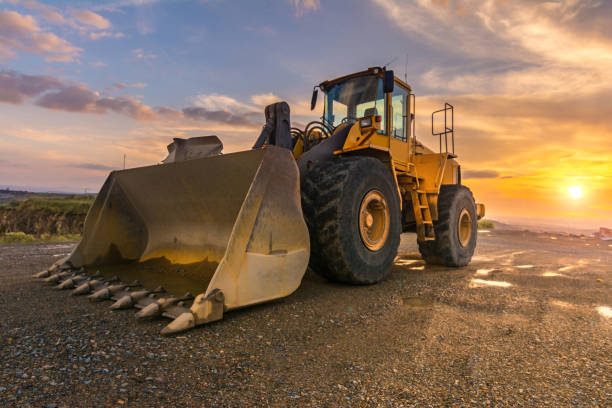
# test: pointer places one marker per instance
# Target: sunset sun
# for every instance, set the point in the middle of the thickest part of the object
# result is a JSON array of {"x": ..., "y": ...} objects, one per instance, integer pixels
[{"x": 575, "y": 192}]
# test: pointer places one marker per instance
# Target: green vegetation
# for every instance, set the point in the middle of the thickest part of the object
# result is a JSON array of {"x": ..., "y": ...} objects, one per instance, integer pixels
[
  {"x": 42, "y": 217},
  {"x": 60, "y": 204},
  {"x": 22, "y": 237},
  {"x": 485, "y": 224}
]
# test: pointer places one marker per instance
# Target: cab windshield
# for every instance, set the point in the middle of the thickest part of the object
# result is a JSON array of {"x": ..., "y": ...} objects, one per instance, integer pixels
[{"x": 355, "y": 98}]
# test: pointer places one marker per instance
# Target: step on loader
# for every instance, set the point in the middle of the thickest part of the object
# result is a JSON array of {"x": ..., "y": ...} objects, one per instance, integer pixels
[{"x": 205, "y": 232}]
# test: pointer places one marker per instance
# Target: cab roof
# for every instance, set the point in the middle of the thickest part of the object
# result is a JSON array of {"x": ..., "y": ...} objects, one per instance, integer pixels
[{"x": 370, "y": 71}]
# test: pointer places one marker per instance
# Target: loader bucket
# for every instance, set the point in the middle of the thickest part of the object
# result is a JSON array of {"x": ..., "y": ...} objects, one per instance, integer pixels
[{"x": 228, "y": 229}]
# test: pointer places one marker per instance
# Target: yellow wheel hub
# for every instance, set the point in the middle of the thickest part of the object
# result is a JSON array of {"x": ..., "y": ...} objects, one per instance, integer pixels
[
  {"x": 464, "y": 227},
  {"x": 374, "y": 220}
]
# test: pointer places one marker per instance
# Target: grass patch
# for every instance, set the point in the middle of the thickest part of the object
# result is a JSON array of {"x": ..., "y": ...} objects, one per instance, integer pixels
[
  {"x": 485, "y": 224},
  {"x": 69, "y": 204},
  {"x": 23, "y": 238}
]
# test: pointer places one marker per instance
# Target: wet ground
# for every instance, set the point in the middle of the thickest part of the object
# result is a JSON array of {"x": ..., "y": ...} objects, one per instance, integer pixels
[{"x": 528, "y": 323}]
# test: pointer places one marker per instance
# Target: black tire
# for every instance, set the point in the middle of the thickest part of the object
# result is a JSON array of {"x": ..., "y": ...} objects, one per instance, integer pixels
[
  {"x": 332, "y": 194},
  {"x": 448, "y": 249}
]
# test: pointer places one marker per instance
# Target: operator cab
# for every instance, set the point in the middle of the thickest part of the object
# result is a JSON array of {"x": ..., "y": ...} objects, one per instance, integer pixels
[{"x": 364, "y": 95}]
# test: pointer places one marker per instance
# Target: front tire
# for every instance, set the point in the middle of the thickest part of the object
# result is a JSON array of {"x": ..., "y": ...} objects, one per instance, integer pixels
[
  {"x": 352, "y": 210},
  {"x": 456, "y": 228}
]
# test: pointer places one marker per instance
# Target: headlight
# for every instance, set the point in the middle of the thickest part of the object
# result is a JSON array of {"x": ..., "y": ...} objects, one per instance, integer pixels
[{"x": 365, "y": 122}]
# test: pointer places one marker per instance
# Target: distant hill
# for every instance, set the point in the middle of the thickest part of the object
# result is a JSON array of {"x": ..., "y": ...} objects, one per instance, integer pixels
[
  {"x": 42, "y": 214},
  {"x": 540, "y": 227}
]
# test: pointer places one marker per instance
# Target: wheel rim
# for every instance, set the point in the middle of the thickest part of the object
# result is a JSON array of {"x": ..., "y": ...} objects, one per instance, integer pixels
[
  {"x": 464, "y": 227},
  {"x": 374, "y": 220}
]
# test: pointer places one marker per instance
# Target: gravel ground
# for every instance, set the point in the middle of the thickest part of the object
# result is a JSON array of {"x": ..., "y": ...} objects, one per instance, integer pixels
[{"x": 528, "y": 323}]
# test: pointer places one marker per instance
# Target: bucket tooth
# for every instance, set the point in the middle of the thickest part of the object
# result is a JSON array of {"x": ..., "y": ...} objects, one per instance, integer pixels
[
  {"x": 106, "y": 293},
  {"x": 205, "y": 309},
  {"x": 47, "y": 272},
  {"x": 183, "y": 322},
  {"x": 124, "y": 303},
  {"x": 150, "y": 311},
  {"x": 56, "y": 277},
  {"x": 84, "y": 288},
  {"x": 157, "y": 308},
  {"x": 128, "y": 301},
  {"x": 42, "y": 274},
  {"x": 101, "y": 294},
  {"x": 52, "y": 278},
  {"x": 70, "y": 283}
]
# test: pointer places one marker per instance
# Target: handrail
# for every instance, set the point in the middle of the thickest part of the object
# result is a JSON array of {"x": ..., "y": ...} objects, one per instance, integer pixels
[{"x": 447, "y": 130}]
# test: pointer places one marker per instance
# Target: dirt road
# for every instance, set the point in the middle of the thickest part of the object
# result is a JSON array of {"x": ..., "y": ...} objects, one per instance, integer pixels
[{"x": 528, "y": 323}]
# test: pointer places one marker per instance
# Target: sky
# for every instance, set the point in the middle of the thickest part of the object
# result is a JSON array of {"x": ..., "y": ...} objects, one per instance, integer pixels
[{"x": 84, "y": 84}]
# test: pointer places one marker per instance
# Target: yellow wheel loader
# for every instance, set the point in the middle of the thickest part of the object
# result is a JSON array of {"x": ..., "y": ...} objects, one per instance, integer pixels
[{"x": 205, "y": 232}]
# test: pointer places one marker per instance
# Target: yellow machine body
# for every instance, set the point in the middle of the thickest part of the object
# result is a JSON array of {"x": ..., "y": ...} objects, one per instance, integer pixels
[
  {"x": 205, "y": 232},
  {"x": 418, "y": 171}
]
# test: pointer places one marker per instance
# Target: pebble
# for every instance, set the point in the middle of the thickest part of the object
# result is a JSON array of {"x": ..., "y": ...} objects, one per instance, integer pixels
[{"x": 313, "y": 349}]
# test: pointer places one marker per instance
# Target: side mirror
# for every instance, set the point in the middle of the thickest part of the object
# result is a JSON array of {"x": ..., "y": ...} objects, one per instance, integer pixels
[
  {"x": 313, "y": 101},
  {"x": 388, "y": 81}
]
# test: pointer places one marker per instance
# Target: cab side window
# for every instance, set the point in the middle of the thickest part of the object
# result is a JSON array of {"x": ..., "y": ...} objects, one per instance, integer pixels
[{"x": 399, "y": 102}]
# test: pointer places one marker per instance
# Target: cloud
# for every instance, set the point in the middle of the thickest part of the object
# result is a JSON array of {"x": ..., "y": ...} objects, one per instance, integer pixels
[
  {"x": 129, "y": 107},
  {"x": 303, "y": 7},
  {"x": 53, "y": 93},
  {"x": 92, "y": 19},
  {"x": 21, "y": 33},
  {"x": 215, "y": 102},
  {"x": 73, "y": 98},
  {"x": 265, "y": 99},
  {"x": 142, "y": 54},
  {"x": 168, "y": 113},
  {"x": 79, "y": 98},
  {"x": 105, "y": 34},
  {"x": 479, "y": 174},
  {"x": 519, "y": 46},
  {"x": 53, "y": 17},
  {"x": 84, "y": 22},
  {"x": 222, "y": 116},
  {"x": 92, "y": 166},
  {"x": 97, "y": 64},
  {"x": 121, "y": 85},
  {"x": 16, "y": 87},
  {"x": 49, "y": 13}
]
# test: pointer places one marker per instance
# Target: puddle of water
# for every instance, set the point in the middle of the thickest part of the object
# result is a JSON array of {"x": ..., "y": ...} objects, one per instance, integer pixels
[
  {"x": 605, "y": 311},
  {"x": 523, "y": 266},
  {"x": 418, "y": 302},
  {"x": 406, "y": 261},
  {"x": 566, "y": 268},
  {"x": 479, "y": 258},
  {"x": 484, "y": 272},
  {"x": 476, "y": 283},
  {"x": 484, "y": 231},
  {"x": 553, "y": 237},
  {"x": 417, "y": 268},
  {"x": 560, "y": 303},
  {"x": 547, "y": 274}
]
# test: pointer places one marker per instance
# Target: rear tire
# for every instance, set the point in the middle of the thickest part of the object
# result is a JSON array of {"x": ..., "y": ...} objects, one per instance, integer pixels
[
  {"x": 352, "y": 210},
  {"x": 456, "y": 228}
]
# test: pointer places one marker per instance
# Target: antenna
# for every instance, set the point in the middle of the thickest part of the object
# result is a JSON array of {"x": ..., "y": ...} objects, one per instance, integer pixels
[
  {"x": 390, "y": 62},
  {"x": 124, "y": 156},
  {"x": 406, "y": 69}
]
